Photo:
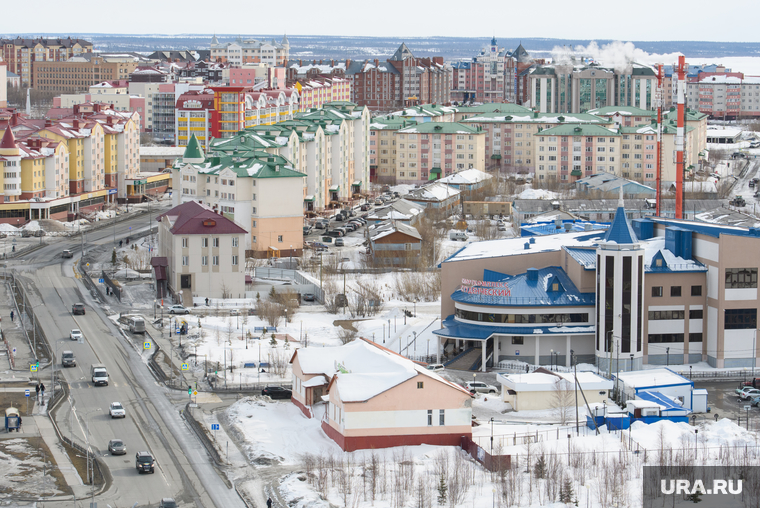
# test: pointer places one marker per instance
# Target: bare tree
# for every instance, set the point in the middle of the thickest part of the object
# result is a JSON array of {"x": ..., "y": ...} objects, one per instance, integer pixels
[
  {"x": 485, "y": 230},
  {"x": 229, "y": 331},
  {"x": 226, "y": 292},
  {"x": 346, "y": 335},
  {"x": 271, "y": 312},
  {"x": 562, "y": 400}
]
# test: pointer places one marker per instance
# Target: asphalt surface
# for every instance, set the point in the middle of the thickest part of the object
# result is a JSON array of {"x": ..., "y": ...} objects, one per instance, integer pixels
[{"x": 153, "y": 422}]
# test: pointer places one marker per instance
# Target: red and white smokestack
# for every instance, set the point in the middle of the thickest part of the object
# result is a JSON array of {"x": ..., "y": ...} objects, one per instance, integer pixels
[
  {"x": 680, "y": 101},
  {"x": 659, "y": 97}
]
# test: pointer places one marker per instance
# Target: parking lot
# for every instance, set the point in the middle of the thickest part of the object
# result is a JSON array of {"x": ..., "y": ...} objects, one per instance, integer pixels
[{"x": 722, "y": 400}]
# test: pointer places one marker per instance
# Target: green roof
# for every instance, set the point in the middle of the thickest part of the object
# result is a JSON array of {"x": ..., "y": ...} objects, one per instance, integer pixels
[
  {"x": 251, "y": 164},
  {"x": 439, "y": 128},
  {"x": 667, "y": 128},
  {"x": 495, "y": 107},
  {"x": 623, "y": 110},
  {"x": 193, "y": 150},
  {"x": 577, "y": 130},
  {"x": 535, "y": 117},
  {"x": 425, "y": 110},
  {"x": 691, "y": 115},
  {"x": 381, "y": 123}
]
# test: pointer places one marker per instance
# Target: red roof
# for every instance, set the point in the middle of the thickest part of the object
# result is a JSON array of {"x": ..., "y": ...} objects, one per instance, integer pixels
[
  {"x": 8, "y": 140},
  {"x": 196, "y": 219}
]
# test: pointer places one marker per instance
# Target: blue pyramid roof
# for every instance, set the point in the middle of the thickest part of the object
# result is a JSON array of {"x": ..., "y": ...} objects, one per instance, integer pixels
[{"x": 621, "y": 231}]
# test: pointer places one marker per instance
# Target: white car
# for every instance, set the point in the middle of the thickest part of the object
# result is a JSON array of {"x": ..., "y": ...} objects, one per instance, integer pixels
[
  {"x": 117, "y": 410},
  {"x": 178, "y": 309},
  {"x": 76, "y": 334},
  {"x": 480, "y": 387}
]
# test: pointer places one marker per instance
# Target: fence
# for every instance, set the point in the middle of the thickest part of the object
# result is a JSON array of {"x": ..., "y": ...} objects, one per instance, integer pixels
[
  {"x": 116, "y": 289},
  {"x": 503, "y": 440},
  {"x": 298, "y": 278},
  {"x": 491, "y": 462}
]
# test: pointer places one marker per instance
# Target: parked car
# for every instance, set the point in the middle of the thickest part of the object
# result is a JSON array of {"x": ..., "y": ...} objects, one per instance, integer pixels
[
  {"x": 339, "y": 242},
  {"x": 335, "y": 233},
  {"x": 306, "y": 230},
  {"x": 501, "y": 227},
  {"x": 144, "y": 462},
  {"x": 755, "y": 401},
  {"x": 378, "y": 202},
  {"x": 749, "y": 394},
  {"x": 480, "y": 387},
  {"x": 308, "y": 297},
  {"x": 117, "y": 447},
  {"x": 436, "y": 367},
  {"x": 365, "y": 207},
  {"x": 743, "y": 388},
  {"x": 277, "y": 392},
  {"x": 339, "y": 217},
  {"x": 327, "y": 239},
  {"x": 77, "y": 308},
  {"x": 319, "y": 225},
  {"x": 116, "y": 410},
  {"x": 350, "y": 226},
  {"x": 76, "y": 334},
  {"x": 178, "y": 309}
]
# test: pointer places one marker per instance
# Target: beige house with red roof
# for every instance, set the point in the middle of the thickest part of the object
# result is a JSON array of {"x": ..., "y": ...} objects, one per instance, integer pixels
[
  {"x": 376, "y": 398},
  {"x": 204, "y": 253}
]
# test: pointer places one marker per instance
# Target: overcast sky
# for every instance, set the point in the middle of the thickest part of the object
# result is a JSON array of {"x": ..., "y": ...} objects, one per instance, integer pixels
[{"x": 647, "y": 20}]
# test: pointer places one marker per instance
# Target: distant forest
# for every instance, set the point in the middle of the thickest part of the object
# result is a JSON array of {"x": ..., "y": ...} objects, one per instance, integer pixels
[{"x": 310, "y": 47}]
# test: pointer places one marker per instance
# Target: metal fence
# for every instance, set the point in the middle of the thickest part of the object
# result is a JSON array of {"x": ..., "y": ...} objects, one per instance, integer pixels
[{"x": 297, "y": 277}]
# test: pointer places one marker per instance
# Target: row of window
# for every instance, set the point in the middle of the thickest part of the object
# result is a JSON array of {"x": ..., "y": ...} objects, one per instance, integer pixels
[
  {"x": 204, "y": 242},
  {"x": 658, "y": 338},
  {"x": 522, "y": 318},
  {"x": 741, "y": 278},
  {"x": 204, "y": 260},
  {"x": 675, "y": 291}
]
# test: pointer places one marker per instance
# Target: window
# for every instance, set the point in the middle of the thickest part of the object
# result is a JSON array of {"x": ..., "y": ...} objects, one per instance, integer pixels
[
  {"x": 215, "y": 260},
  {"x": 696, "y": 290},
  {"x": 420, "y": 385},
  {"x": 235, "y": 242},
  {"x": 441, "y": 417},
  {"x": 518, "y": 341},
  {"x": 665, "y": 337},
  {"x": 204, "y": 260},
  {"x": 234, "y": 260},
  {"x": 740, "y": 319},
  {"x": 216, "y": 242},
  {"x": 185, "y": 260},
  {"x": 657, "y": 291},
  {"x": 695, "y": 337},
  {"x": 279, "y": 238},
  {"x": 204, "y": 242},
  {"x": 695, "y": 314},
  {"x": 738, "y": 278},
  {"x": 675, "y": 291},
  {"x": 659, "y": 315},
  {"x": 184, "y": 243},
  {"x": 430, "y": 417}
]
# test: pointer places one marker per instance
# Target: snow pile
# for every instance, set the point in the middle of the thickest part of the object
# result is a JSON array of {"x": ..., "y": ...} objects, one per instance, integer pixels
[
  {"x": 7, "y": 228},
  {"x": 537, "y": 194},
  {"x": 32, "y": 226},
  {"x": 76, "y": 223},
  {"x": 108, "y": 214}
]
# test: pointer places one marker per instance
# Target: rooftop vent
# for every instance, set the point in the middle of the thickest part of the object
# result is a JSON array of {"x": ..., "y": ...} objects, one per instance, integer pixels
[
  {"x": 527, "y": 245},
  {"x": 532, "y": 273},
  {"x": 532, "y": 240}
]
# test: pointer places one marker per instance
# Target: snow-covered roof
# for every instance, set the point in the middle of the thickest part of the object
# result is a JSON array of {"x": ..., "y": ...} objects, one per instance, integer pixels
[
  {"x": 466, "y": 177},
  {"x": 652, "y": 378},
  {"x": 434, "y": 192},
  {"x": 541, "y": 382},
  {"x": 361, "y": 369},
  {"x": 514, "y": 246}
]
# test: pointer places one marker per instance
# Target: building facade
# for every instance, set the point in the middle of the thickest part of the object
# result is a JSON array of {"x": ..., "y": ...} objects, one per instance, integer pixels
[
  {"x": 21, "y": 54},
  {"x": 251, "y": 51},
  {"x": 489, "y": 77},
  {"x": 79, "y": 73}
]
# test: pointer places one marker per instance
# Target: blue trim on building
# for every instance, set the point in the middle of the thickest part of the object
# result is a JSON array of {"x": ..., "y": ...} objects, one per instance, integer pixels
[
  {"x": 709, "y": 229},
  {"x": 454, "y": 329},
  {"x": 585, "y": 257}
]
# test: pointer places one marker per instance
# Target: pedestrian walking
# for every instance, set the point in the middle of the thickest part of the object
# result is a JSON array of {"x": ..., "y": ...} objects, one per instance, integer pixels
[
  {"x": 37, "y": 389},
  {"x": 11, "y": 316},
  {"x": 269, "y": 502},
  {"x": 42, "y": 392},
  {"x": 20, "y": 423}
]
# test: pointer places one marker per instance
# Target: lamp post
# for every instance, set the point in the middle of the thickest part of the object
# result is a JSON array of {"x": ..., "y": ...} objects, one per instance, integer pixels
[
  {"x": 154, "y": 309},
  {"x": 90, "y": 471},
  {"x": 631, "y": 362},
  {"x": 690, "y": 372},
  {"x": 492, "y": 435},
  {"x": 551, "y": 359},
  {"x": 667, "y": 356},
  {"x": 575, "y": 378}
]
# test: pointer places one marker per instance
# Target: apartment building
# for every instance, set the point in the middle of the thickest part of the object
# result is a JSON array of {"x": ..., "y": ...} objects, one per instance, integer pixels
[
  {"x": 193, "y": 117},
  {"x": 79, "y": 73},
  {"x": 315, "y": 93},
  {"x": 257, "y": 190},
  {"x": 725, "y": 96},
  {"x": 576, "y": 150},
  {"x": 574, "y": 87},
  {"x": 236, "y": 108},
  {"x": 251, "y": 51},
  {"x": 382, "y": 149},
  {"x": 489, "y": 77},
  {"x": 21, "y": 54},
  {"x": 4, "y": 82}
]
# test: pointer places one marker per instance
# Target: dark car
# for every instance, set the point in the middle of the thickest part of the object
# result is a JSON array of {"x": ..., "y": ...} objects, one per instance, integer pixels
[
  {"x": 339, "y": 242},
  {"x": 276, "y": 392},
  {"x": 144, "y": 462},
  {"x": 335, "y": 234},
  {"x": 117, "y": 447},
  {"x": 365, "y": 207},
  {"x": 308, "y": 297},
  {"x": 77, "y": 308},
  {"x": 167, "y": 502}
]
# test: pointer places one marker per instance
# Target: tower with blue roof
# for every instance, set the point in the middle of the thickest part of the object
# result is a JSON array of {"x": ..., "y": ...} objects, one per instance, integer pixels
[{"x": 619, "y": 292}]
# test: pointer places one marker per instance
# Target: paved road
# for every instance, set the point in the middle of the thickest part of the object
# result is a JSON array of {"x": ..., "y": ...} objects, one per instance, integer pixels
[{"x": 153, "y": 420}]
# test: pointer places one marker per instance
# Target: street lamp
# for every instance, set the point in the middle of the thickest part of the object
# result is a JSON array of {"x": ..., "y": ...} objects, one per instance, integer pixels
[
  {"x": 90, "y": 471},
  {"x": 154, "y": 309},
  {"x": 551, "y": 360},
  {"x": 574, "y": 361},
  {"x": 492, "y": 435},
  {"x": 631, "y": 361},
  {"x": 667, "y": 356}
]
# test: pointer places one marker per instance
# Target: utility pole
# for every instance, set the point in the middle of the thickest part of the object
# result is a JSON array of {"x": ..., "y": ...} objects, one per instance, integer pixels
[{"x": 575, "y": 375}]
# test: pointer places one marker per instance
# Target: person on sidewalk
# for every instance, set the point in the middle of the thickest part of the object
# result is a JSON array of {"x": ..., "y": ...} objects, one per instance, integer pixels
[
  {"x": 11, "y": 316},
  {"x": 37, "y": 389},
  {"x": 42, "y": 393},
  {"x": 269, "y": 502},
  {"x": 20, "y": 423}
]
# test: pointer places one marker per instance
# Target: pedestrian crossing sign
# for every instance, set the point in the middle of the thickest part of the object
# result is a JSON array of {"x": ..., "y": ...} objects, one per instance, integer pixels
[
  {"x": 33, "y": 367},
  {"x": 146, "y": 345},
  {"x": 184, "y": 366}
]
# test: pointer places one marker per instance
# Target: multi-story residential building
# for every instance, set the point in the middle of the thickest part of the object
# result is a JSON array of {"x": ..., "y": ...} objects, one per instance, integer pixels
[
  {"x": 576, "y": 150},
  {"x": 315, "y": 93},
  {"x": 203, "y": 253},
  {"x": 256, "y": 189},
  {"x": 113, "y": 93},
  {"x": 10, "y": 155},
  {"x": 725, "y": 96},
  {"x": 437, "y": 148},
  {"x": 79, "y": 73},
  {"x": 193, "y": 117},
  {"x": 574, "y": 88},
  {"x": 21, "y": 54},
  {"x": 382, "y": 149},
  {"x": 145, "y": 82},
  {"x": 236, "y": 108},
  {"x": 4, "y": 81},
  {"x": 164, "y": 110},
  {"x": 212, "y": 72},
  {"x": 427, "y": 113},
  {"x": 510, "y": 134},
  {"x": 489, "y": 77},
  {"x": 250, "y": 51}
]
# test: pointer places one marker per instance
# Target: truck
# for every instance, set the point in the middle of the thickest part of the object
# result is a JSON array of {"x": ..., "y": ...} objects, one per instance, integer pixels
[
  {"x": 99, "y": 374},
  {"x": 67, "y": 254},
  {"x": 136, "y": 324}
]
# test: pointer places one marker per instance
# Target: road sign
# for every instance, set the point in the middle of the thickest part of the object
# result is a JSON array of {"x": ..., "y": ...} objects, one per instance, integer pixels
[
  {"x": 195, "y": 392},
  {"x": 146, "y": 345},
  {"x": 184, "y": 366},
  {"x": 26, "y": 393},
  {"x": 88, "y": 265},
  {"x": 746, "y": 408},
  {"x": 214, "y": 426},
  {"x": 517, "y": 352},
  {"x": 33, "y": 368},
  {"x": 101, "y": 281},
  {"x": 14, "y": 350}
]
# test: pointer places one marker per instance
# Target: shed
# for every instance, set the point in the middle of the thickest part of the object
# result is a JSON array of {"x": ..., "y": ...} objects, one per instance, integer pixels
[{"x": 664, "y": 380}]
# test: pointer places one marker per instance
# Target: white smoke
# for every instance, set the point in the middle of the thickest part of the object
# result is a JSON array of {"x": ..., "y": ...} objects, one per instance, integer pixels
[{"x": 617, "y": 55}]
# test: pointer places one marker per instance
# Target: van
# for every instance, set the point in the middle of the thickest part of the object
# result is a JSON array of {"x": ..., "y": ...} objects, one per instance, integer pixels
[
  {"x": 68, "y": 359},
  {"x": 458, "y": 235},
  {"x": 136, "y": 324},
  {"x": 99, "y": 374}
]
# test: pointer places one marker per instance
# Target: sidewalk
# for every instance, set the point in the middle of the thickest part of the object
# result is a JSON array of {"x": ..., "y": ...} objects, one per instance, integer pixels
[{"x": 15, "y": 338}]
